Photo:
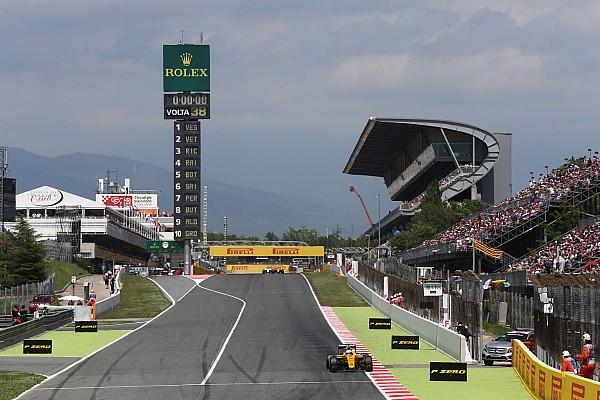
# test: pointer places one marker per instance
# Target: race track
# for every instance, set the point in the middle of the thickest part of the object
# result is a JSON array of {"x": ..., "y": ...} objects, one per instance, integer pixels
[{"x": 233, "y": 337}]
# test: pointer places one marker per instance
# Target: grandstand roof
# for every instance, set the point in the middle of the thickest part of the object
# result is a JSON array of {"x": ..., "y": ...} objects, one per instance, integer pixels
[
  {"x": 378, "y": 146},
  {"x": 383, "y": 139},
  {"x": 410, "y": 153}
]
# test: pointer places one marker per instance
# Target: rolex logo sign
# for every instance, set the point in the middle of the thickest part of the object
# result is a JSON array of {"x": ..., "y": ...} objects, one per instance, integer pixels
[
  {"x": 186, "y": 68},
  {"x": 186, "y": 59}
]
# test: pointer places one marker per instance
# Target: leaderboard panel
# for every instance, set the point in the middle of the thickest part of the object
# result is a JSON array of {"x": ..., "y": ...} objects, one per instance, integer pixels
[{"x": 186, "y": 214}]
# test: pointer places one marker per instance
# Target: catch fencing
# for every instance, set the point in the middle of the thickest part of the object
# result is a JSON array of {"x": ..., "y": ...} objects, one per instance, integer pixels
[
  {"x": 566, "y": 307},
  {"x": 23, "y": 294},
  {"x": 424, "y": 309},
  {"x": 519, "y": 309}
]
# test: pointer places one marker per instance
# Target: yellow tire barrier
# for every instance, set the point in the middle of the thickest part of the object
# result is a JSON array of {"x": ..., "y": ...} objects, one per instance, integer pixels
[
  {"x": 547, "y": 383},
  {"x": 253, "y": 268}
]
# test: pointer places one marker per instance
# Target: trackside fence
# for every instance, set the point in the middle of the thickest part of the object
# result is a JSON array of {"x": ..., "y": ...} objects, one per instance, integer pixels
[
  {"x": 23, "y": 294},
  {"x": 520, "y": 309},
  {"x": 443, "y": 339}
]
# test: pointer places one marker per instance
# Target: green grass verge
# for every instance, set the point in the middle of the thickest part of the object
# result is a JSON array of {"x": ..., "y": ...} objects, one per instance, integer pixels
[
  {"x": 13, "y": 383},
  {"x": 140, "y": 298},
  {"x": 483, "y": 383},
  {"x": 491, "y": 383},
  {"x": 378, "y": 341},
  {"x": 495, "y": 329},
  {"x": 333, "y": 290},
  {"x": 70, "y": 343},
  {"x": 63, "y": 272}
]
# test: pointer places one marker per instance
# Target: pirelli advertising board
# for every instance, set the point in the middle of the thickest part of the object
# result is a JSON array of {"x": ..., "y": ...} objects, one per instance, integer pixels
[
  {"x": 380, "y": 323},
  {"x": 37, "y": 346},
  {"x": 405, "y": 342},
  {"x": 186, "y": 68},
  {"x": 267, "y": 251},
  {"x": 86, "y": 326},
  {"x": 545, "y": 382},
  {"x": 447, "y": 371}
]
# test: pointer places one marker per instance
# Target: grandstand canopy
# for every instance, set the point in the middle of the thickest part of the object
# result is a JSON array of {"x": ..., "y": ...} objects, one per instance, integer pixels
[
  {"x": 379, "y": 145},
  {"x": 410, "y": 153}
]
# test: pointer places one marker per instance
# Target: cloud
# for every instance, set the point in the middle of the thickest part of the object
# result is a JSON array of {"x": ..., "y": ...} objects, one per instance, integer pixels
[
  {"x": 375, "y": 70},
  {"x": 102, "y": 118},
  {"x": 487, "y": 72},
  {"x": 521, "y": 13}
]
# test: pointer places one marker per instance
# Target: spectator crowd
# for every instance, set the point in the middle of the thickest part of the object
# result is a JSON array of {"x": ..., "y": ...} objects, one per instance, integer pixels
[
  {"x": 527, "y": 203},
  {"x": 573, "y": 252}
]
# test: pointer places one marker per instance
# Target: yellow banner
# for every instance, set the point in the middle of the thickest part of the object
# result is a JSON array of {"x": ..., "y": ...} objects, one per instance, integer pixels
[
  {"x": 546, "y": 383},
  {"x": 253, "y": 268},
  {"x": 266, "y": 251}
]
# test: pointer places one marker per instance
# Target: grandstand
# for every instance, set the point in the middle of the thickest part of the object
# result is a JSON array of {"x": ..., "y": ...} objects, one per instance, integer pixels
[
  {"x": 467, "y": 162},
  {"x": 515, "y": 225},
  {"x": 501, "y": 255}
]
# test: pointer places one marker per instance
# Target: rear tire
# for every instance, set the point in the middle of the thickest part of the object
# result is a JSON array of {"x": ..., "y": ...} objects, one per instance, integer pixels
[
  {"x": 368, "y": 360},
  {"x": 333, "y": 363}
]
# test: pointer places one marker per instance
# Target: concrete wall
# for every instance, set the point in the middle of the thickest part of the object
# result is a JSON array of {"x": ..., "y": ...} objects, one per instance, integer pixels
[
  {"x": 503, "y": 168},
  {"x": 108, "y": 304},
  {"x": 443, "y": 339}
]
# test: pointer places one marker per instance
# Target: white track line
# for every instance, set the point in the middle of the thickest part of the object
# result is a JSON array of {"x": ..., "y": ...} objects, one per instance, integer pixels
[
  {"x": 200, "y": 385},
  {"x": 216, "y": 361}
]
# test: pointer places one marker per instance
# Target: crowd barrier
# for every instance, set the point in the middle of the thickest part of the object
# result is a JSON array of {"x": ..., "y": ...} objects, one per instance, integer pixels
[
  {"x": 547, "y": 383},
  {"x": 443, "y": 339}
]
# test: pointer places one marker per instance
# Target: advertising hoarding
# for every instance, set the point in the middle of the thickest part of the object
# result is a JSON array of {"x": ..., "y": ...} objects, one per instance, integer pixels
[
  {"x": 186, "y": 68},
  {"x": 266, "y": 251}
]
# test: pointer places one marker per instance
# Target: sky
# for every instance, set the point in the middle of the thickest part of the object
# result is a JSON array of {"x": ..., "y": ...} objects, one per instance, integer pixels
[{"x": 294, "y": 83}]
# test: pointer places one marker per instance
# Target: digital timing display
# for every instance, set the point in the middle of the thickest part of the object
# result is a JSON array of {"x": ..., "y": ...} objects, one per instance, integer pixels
[{"x": 187, "y": 105}]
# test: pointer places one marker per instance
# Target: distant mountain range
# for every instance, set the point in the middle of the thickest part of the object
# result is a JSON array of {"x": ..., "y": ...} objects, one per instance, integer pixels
[{"x": 249, "y": 212}]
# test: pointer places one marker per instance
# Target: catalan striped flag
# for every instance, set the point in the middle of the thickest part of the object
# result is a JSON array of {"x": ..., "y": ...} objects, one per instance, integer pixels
[{"x": 490, "y": 251}]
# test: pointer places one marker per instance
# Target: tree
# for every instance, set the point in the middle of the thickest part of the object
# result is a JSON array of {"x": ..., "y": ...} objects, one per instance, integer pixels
[
  {"x": 435, "y": 216},
  {"x": 22, "y": 255},
  {"x": 565, "y": 218},
  {"x": 303, "y": 234},
  {"x": 271, "y": 237}
]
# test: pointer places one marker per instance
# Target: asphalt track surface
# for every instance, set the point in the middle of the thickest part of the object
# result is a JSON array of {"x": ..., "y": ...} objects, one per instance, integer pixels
[{"x": 233, "y": 337}]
